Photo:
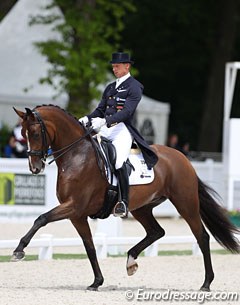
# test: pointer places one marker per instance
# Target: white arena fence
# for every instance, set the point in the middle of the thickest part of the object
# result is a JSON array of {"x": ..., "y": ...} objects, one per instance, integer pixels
[
  {"x": 24, "y": 196},
  {"x": 47, "y": 244},
  {"x": 15, "y": 172}
]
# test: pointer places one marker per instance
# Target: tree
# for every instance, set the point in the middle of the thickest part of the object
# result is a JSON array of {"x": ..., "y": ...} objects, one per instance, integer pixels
[
  {"x": 172, "y": 56},
  {"x": 181, "y": 56},
  {"x": 90, "y": 32},
  {"x": 211, "y": 123}
]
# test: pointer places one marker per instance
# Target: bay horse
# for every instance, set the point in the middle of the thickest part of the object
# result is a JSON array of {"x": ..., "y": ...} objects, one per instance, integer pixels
[{"x": 81, "y": 189}]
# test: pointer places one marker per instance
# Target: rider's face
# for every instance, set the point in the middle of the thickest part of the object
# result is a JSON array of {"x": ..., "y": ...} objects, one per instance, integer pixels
[{"x": 121, "y": 69}]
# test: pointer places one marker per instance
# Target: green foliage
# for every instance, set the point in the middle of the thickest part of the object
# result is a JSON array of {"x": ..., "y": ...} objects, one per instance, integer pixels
[
  {"x": 174, "y": 54},
  {"x": 89, "y": 33},
  {"x": 174, "y": 43}
]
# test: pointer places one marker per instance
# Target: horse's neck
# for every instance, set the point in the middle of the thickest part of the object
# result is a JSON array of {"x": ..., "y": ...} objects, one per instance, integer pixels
[
  {"x": 71, "y": 140},
  {"x": 66, "y": 133}
]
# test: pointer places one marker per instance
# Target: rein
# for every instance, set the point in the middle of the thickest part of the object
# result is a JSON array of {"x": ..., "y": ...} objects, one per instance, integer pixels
[
  {"x": 44, "y": 152},
  {"x": 65, "y": 149}
]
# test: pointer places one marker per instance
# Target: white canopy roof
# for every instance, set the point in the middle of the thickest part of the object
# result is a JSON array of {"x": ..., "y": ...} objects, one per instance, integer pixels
[{"x": 21, "y": 64}]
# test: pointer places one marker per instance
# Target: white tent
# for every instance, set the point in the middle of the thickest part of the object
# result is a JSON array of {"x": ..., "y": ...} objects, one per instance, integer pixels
[
  {"x": 152, "y": 120},
  {"x": 21, "y": 65}
]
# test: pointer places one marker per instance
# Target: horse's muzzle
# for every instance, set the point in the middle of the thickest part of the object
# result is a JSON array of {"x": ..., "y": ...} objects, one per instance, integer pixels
[{"x": 36, "y": 166}]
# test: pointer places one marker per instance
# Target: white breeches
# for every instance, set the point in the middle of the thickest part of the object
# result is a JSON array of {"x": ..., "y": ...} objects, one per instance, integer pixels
[{"x": 121, "y": 139}]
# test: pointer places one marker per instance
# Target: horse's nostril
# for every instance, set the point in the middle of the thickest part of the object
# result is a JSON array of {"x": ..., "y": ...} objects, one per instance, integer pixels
[
  {"x": 36, "y": 166},
  {"x": 35, "y": 170}
]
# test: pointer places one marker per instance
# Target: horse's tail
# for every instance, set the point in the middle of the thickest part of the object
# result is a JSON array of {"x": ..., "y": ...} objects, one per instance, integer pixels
[{"x": 215, "y": 218}]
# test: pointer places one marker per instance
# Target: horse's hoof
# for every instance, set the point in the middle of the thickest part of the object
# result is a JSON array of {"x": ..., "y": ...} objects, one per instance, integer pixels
[
  {"x": 132, "y": 265},
  {"x": 91, "y": 288},
  {"x": 205, "y": 289},
  {"x": 17, "y": 256},
  {"x": 132, "y": 269},
  {"x": 94, "y": 287}
]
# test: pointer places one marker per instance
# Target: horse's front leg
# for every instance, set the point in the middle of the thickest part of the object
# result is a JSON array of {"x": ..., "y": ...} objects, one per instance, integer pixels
[
  {"x": 62, "y": 211},
  {"x": 83, "y": 229}
]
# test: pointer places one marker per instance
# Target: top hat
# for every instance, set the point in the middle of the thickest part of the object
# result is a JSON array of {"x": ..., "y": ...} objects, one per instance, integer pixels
[{"x": 120, "y": 57}]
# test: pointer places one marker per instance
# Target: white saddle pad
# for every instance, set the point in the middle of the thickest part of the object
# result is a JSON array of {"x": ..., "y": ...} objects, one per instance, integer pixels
[{"x": 140, "y": 174}]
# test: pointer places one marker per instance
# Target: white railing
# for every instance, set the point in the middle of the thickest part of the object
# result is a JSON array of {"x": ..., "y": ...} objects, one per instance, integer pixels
[{"x": 46, "y": 244}]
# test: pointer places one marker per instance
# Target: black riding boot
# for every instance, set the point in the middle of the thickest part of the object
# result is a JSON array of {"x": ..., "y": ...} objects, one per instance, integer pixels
[{"x": 121, "y": 208}]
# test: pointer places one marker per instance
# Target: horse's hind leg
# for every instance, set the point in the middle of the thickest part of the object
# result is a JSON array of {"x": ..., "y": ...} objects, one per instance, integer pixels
[
  {"x": 62, "y": 211},
  {"x": 203, "y": 241},
  {"x": 83, "y": 229},
  {"x": 154, "y": 231},
  {"x": 193, "y": 219}
]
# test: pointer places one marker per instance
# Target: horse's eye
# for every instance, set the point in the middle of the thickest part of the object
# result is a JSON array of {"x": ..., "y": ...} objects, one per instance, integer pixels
[{"x": 36, "y": 136}]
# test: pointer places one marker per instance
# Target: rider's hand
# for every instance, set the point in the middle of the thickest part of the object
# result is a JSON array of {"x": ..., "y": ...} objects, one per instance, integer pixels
[
  {"x": 84, "y": 120},
  {"x": 97, "y": 123}
]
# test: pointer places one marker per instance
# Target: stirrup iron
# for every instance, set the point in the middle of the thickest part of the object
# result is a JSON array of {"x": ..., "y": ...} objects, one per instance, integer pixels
[{"x": 120, "y": 209}]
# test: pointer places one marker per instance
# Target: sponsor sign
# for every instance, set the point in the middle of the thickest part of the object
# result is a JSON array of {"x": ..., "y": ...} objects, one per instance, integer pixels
[{"x": 22, "y": 189}]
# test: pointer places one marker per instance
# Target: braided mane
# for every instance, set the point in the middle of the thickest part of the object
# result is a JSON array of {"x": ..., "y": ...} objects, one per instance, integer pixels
[{"x": 58, "y": 107}]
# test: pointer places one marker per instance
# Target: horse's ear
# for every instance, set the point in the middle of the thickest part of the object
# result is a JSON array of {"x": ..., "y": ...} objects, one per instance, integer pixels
[
  {"x": 28, "y": 111},
  {"x": 19, "y": 113}
]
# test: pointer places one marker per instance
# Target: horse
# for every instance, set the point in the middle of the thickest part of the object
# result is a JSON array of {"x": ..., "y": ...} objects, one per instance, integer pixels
[{"x": 81, "y": 189}]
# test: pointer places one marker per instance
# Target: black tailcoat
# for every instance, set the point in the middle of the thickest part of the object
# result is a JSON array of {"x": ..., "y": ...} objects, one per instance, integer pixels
[{"x": 119, "y": 105}]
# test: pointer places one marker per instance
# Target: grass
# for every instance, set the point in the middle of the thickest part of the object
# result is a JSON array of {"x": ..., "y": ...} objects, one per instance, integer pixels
[
  {"x": 189, "y": 252},
  {"x": 6, "y": 258}
]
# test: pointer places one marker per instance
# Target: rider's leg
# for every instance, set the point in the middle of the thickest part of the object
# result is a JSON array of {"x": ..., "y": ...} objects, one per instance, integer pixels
[
  {"x": 121, "y": 207},
  {"x": 122, "y": 140}
]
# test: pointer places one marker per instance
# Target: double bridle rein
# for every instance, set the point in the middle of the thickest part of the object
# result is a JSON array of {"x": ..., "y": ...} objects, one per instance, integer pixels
[{"x": 44, "y": 153}]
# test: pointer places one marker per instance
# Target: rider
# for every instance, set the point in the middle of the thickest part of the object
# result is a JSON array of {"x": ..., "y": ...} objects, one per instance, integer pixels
[{"x": 113, "y": 119}]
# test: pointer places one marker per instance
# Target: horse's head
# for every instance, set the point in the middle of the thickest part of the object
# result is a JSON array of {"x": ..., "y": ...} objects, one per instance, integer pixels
[{"x": 37, "y": 136}]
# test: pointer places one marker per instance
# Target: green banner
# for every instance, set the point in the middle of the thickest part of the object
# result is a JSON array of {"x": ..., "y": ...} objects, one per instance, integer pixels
[
  {"x": 6, "y": 188},
  {"x": 22, "y": 189}
]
